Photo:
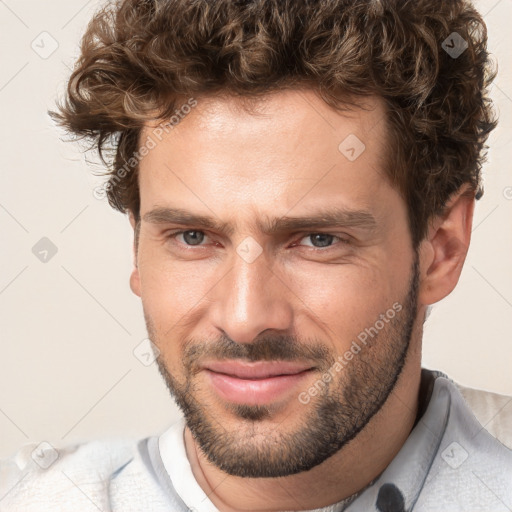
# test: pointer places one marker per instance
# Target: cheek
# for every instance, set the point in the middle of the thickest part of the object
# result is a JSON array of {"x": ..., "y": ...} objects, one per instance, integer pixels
[
  {"x": 343, "y": 300},
  {"x": 171, "y": 300},
  {"x": 173, "y": 292}
]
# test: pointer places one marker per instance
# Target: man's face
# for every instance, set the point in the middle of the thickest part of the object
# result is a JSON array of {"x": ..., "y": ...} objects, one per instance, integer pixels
[{"x": 235, "y": 305}]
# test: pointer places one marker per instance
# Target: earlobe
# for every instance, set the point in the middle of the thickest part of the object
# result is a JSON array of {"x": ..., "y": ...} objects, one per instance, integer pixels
[
  {"x": 134, "y": 277},
  {"x": 444, "y": 250},
  {"x": 135, "y": 282}
]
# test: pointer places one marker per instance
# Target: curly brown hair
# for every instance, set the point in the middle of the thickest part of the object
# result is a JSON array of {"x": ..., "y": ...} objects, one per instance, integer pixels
[{"x": 138, "y": 57}]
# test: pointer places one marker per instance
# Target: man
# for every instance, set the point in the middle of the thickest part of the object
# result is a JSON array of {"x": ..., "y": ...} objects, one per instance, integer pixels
[{"x": 300, "y": 176}]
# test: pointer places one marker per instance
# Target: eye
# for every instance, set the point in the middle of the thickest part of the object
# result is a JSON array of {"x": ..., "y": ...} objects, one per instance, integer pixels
[
  {"x": 194, "y": 237},
  {"x": 191, "y": 237},
  {"x": 321, "y": 240}
]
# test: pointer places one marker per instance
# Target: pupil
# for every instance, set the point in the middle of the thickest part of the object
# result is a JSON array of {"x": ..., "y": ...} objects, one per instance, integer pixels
[
  {"x": 195, "y": 240},
  {"x": 327, "y": 238}
]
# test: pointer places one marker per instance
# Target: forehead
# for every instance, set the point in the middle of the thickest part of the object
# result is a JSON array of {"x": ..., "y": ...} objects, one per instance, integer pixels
[
  {"x": 296, "y": 113},
  {"x": 266, "y": 152}
]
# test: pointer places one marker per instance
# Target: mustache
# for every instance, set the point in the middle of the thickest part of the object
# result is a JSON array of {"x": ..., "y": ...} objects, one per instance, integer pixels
[{"x": 264, "y": 348}]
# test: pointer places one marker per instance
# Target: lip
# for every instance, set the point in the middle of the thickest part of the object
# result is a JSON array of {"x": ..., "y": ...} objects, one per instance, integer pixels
[
  {"x": 257, "y": 383},
  {"x": 257, "y": 369}
]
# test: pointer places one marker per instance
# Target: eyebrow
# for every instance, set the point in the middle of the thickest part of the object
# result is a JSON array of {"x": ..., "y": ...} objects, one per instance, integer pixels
[{"x": 337, "y": 217}]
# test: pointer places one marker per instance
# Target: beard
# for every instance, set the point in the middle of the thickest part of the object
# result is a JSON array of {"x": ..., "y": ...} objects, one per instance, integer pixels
[{"x": 260, "y": 447}]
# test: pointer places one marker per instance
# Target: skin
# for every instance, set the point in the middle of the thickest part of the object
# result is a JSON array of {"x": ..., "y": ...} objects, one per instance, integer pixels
[{"x": 296, "y": 300}]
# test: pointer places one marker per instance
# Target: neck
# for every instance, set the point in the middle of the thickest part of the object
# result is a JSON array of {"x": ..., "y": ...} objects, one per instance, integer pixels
[{"x": 347, "y": 472}]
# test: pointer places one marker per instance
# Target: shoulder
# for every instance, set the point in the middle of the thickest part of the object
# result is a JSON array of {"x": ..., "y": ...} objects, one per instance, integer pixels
[
  {"x": 472, "y": 465},
  {"x": 492, "y": 410},
  {"x": 45, "y": 477}
]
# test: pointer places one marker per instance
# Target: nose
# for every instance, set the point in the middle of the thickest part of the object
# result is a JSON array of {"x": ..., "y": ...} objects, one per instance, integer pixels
[{"x": 250, "y": 299}]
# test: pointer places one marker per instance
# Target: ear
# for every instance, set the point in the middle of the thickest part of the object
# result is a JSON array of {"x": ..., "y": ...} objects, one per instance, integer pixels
[
  {"x": 134, "y": 277},
  {"x": 444, "y": 250}
]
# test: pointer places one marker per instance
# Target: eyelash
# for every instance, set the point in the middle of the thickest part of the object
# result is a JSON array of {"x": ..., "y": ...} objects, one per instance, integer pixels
[{"x": 174, "y": 234}]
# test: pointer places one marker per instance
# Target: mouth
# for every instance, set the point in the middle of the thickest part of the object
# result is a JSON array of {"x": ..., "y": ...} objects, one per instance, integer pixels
[{"x": 256, "y": 383}]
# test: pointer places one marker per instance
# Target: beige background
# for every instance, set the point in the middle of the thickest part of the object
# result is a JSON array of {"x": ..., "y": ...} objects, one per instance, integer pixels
[{"x": 68, "y": 327}]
